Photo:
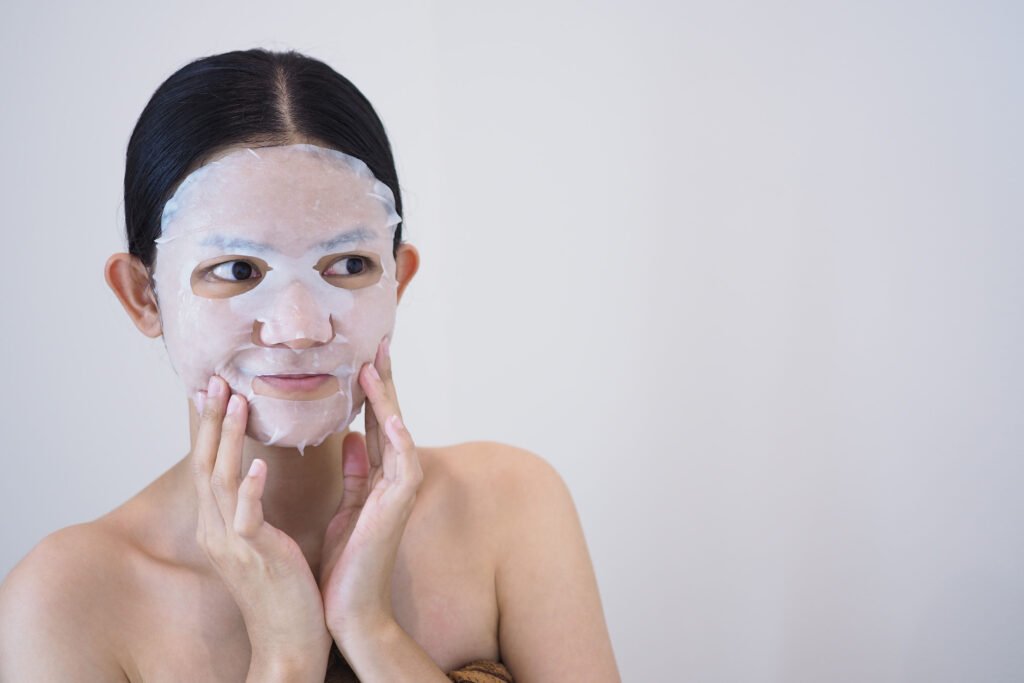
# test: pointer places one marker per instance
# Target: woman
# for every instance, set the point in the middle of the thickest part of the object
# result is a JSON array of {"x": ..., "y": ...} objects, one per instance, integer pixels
[{"x": 285, "y": 546}]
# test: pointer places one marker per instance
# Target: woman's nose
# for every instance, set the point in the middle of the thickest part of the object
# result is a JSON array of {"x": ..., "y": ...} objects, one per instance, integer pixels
[{"x": 296, "y": 320}]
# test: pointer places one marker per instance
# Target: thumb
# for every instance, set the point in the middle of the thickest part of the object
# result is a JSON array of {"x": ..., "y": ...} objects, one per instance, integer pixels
[
  {"x": 355, "y": 464},
  {"x": 354, "y": 457}
]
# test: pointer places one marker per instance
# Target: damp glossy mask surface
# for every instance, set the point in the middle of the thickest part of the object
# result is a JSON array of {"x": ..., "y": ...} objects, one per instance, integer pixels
[{"x": 278, "y": 261}]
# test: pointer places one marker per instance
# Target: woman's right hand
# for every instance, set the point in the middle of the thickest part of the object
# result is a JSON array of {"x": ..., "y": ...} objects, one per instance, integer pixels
[{"x": 263, "y": 567}]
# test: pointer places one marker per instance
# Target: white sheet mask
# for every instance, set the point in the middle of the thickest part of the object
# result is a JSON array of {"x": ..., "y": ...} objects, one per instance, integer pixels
[{"x": 253, "y": 278}]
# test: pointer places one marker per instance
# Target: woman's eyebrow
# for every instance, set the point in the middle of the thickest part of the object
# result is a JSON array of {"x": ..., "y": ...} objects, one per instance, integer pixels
[
  {"x": 236, "y": 244},
  {"x": 357, "y": 234}
]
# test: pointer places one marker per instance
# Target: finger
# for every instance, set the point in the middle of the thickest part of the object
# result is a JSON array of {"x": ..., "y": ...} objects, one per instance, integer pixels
[
  {"x": 208, "y": 435},
  {"x": 203, "y": 456},
  {"x": 381, "y": 399},
  {"x": 199, "y": 400},
  {"x": 356, "y": 466},
  {"x": 249, "y": 512},
  {"x": 383, "y": 364},
  {"x": 249, "y": 522},
  {"x": 354, "y": 457},
  {"x": 405, "y": 461},
  {"x": 374, "y": 442},
  {"x": 226, "y": 470}
]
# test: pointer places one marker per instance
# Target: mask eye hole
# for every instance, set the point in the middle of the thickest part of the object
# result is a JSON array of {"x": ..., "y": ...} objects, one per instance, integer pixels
[
  {"x": 348, "y": 265},
  {"x": 225, "y": 277},
  {"x": 236, "y": 271},
  {"x": 350, "y": 271}
]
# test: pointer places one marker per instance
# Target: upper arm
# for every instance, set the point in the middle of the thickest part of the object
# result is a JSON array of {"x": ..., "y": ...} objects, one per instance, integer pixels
[
  {"x": 49, "y": 627},
  {"x": 552, "y": 625}
]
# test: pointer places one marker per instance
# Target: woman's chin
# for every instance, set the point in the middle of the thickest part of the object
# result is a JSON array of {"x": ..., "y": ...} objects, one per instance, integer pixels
[{"x": 297, "y": 424}]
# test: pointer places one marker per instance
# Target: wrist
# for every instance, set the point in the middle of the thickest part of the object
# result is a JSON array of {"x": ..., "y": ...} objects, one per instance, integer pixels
[
  {"x": 273, "y": 670},
  {"x": 268, "y": 666},
  {"x": 356, "y": 635}
]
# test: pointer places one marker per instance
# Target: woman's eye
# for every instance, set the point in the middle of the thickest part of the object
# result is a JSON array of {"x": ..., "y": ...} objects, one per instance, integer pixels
[
  {"x": 235, "y": 271},
  {"x": 350, "y": 265}
]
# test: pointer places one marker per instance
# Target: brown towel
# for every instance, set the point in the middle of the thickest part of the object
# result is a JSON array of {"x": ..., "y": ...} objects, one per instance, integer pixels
[{"x": 482, "y": 671}]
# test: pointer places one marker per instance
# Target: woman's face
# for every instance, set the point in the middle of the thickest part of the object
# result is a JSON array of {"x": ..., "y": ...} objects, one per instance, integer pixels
[{"x": 277, "y": 261}]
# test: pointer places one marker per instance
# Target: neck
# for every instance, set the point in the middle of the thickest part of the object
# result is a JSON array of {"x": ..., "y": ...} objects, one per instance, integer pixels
[{"x": 302, "y": 491}]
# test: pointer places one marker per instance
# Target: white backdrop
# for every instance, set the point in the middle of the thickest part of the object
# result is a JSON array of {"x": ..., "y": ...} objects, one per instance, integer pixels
[{"x": 749, "y": 274}]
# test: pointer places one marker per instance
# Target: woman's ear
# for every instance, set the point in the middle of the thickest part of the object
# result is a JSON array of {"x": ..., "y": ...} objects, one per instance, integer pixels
[
  {"x": 407, "y": 262},
  {"x": 129, "y": 278}
]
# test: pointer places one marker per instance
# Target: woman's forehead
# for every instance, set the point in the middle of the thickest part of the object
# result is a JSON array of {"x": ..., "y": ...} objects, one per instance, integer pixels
[{"x": 283, "y": 198}]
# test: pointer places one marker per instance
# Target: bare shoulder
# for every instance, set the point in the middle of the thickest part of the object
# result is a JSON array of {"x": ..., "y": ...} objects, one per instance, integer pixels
[
  {"x": 492, "y": 466},
  {"x": 73, "y": 571},
  {"x": 519, "y": 489},
  {"x": 59, "y": 609},
  {"x": 491, "y": 481},
  {"x": 497, "y": 494},
  {"x": 552, "y": 624},
  {"x": 480, "y": 494}
]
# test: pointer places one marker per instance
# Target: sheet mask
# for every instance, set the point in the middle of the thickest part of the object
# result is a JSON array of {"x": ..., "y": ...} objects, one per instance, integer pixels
[{"x": 253, "y": 278}]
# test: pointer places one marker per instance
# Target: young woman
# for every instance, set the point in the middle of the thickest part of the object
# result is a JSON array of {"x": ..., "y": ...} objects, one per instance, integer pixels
[{"x": 280, "y": 548}]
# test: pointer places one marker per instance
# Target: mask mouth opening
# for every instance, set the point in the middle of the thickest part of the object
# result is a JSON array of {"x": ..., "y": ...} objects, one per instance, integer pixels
[{"x": 297, "y": 387}]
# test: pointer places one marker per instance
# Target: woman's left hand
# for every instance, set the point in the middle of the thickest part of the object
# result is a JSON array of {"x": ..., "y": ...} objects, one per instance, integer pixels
[{"x": 382, "y": 475}]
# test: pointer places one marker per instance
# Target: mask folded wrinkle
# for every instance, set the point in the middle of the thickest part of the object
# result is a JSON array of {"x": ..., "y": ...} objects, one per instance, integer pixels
[{"x": 288, "y": 206}]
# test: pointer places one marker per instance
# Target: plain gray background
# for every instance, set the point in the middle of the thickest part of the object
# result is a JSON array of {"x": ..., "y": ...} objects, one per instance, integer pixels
[{"x": 749, "y": 274}]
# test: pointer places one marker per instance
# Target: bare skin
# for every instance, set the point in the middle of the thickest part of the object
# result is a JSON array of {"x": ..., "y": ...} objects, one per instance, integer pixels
[
  {"x": 444, "y": 594},
  {"x": 492, "y": 565},
  {"x": 143, "y": 566}
]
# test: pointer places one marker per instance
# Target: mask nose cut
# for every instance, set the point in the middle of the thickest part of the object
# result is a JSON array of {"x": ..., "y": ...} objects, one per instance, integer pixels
[{"x": 296, "y": 321}]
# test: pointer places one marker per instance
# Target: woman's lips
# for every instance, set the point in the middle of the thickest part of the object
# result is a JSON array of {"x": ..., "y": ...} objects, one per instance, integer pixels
[
  {"x": 296, "y": 382},
  {"x": 297, "y": 387}
]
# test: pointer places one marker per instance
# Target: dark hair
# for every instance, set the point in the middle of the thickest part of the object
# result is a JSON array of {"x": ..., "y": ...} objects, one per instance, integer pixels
[{"x": 255, "y": 97}]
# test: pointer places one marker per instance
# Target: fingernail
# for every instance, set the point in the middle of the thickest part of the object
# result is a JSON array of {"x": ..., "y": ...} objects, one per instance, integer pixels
[
  {"x": 373, "y": 371},
  {"x": 234, "y": 404},
  {"x": 200, "y": 400},
  {"x": 399, "y": 423},
  {"x": 215, "y": 387}
]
